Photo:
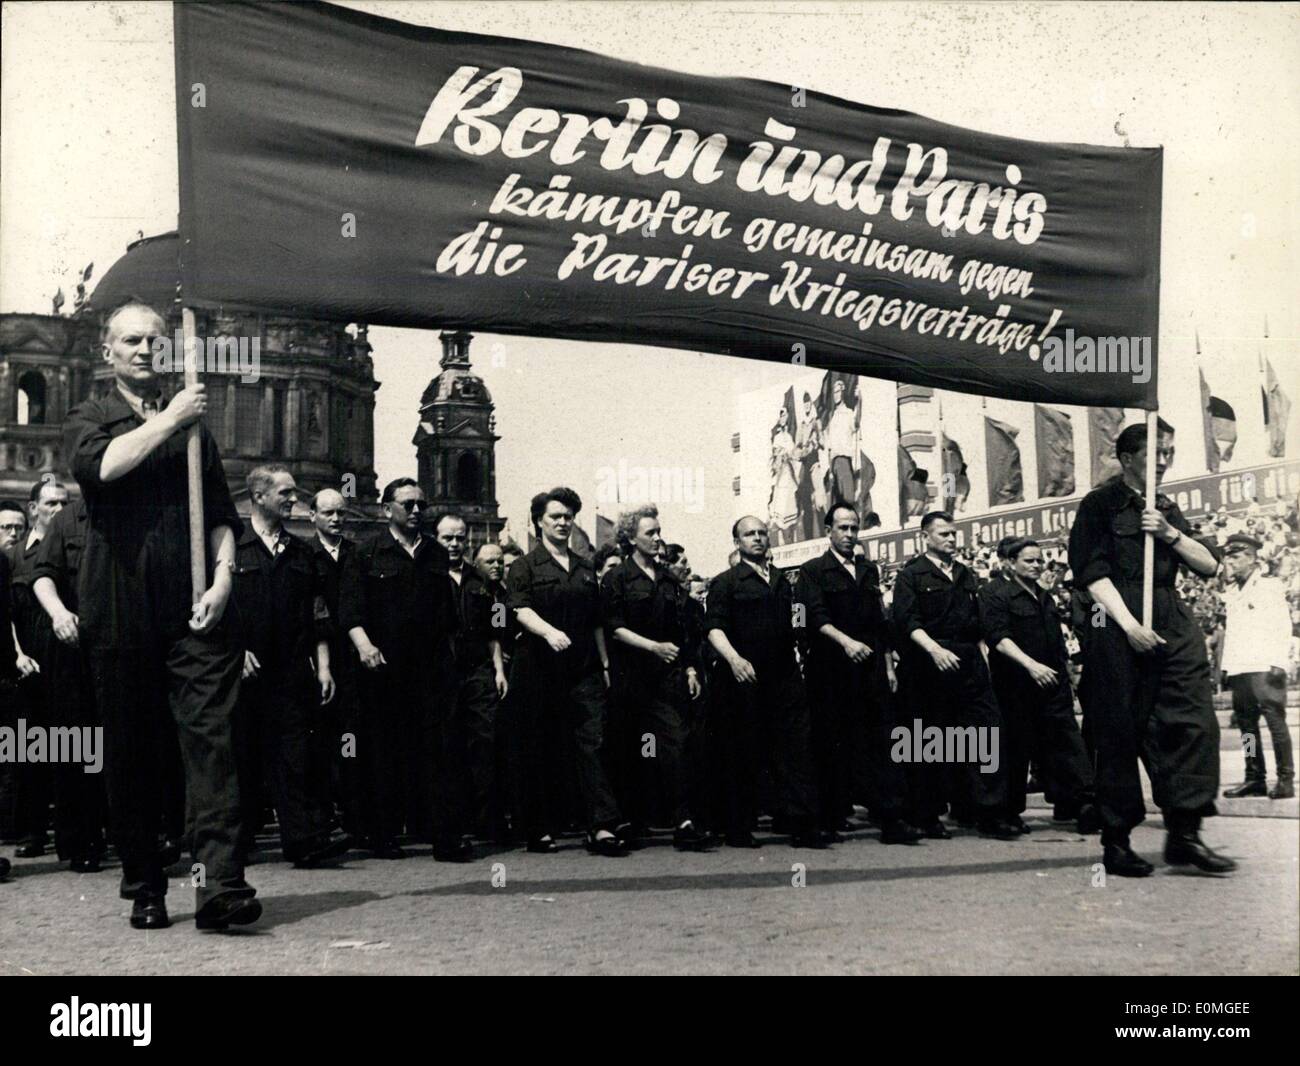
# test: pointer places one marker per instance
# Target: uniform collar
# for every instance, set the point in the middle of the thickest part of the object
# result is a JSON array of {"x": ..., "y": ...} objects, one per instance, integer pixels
[{"x": 136, "y": 403}]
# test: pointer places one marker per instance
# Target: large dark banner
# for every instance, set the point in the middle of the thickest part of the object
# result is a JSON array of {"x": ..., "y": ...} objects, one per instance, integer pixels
[{"x": 339, "y": 165}]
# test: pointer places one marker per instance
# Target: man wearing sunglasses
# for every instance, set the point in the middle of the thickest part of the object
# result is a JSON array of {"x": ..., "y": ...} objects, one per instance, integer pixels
[{"x": 395, "y": 605}]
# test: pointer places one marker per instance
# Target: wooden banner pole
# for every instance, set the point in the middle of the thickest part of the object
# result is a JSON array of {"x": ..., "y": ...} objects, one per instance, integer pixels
[
  {"x": 194, "y": 464},
  {"x": 1149, "y": 543}
]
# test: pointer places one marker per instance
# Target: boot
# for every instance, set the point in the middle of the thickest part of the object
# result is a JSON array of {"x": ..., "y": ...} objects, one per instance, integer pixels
[
  {"x": 1184, "y": 846},
  {"x": 1283, "y": 790},
  {"x": 1120, "y": 859}
]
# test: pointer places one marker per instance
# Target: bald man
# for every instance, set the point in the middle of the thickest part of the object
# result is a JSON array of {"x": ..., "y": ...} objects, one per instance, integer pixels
[
  {"x": 759, "y": 704},
  {"x": 333, "y": 759}
]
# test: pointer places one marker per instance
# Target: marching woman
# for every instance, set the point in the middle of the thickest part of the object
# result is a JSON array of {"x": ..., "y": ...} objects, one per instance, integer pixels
[
  {"x": 1031, "y": 677},
  {"x": 558, "y": 684}
]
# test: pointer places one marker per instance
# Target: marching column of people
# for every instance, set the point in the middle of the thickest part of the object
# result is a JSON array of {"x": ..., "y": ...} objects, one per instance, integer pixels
[{"x": 410, "y": 688}]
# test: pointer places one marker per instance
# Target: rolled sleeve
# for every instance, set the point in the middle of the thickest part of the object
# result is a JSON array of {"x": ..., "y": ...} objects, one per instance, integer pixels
[
  {"x": 352, "y": 592},
  {"x": 995, "y": 619},
  {"x": 809, "y": 593},
  {"x": 519, "y": 585},
  {"x": 906, "y": 618},
  {"x": 1089, "y": 550},
  {"x": 613, "y": 601},
  {"x": 218, "y": 507},
  {"x": 718, "y": 612},
  {"x": 85, "y": 439},
  {"x": 51, "y": 556}
]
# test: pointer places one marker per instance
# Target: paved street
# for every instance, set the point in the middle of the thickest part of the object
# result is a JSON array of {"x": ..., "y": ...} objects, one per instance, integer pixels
[{"x": 968, "y": 906}]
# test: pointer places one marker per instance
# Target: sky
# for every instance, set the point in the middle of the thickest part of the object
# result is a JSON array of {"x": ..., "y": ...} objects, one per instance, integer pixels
[{"x": 88, "y": 160}]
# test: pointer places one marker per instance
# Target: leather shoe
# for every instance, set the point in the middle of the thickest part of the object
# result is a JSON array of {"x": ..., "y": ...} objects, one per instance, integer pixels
[
  {"x": 1065, "y": 812},
  {"x": 543, "y": 847},
  {"x": 812, "y": 838},
  {"x": 1122, "y": 861},
  {"x": 318, "y": 850},
  {"x": 225, "y": 911},
  {"x": 1188, "y": 849},
  {"x": 1248, "y": 788},
  {"x": 999, "y": 828},
  {"x": 742, "y": 840},
  {"x": 936, "y": 830},
  {"x": 5, "y": 867},
  {"x": 610, "y": 847},
  {"x": 900, "y": 832},
  {"x": 33, "y": 849},
  {"x": 88, "y": 864},
  {"x": 1283, "y": 790},
  {"x": 149, "y": 913},
  {"x": 1019, "y": 824},
  {"x": 461, "y": 851},
  {"x": 688, "y": 838}
]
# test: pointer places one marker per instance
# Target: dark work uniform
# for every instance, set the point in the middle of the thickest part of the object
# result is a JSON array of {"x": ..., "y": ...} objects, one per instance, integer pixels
[
  {"x": 336, "y": 769},
  {"x": 9, "y": 698},
  {"x": 1036, "y": 722},
  {"x": 650, "y": 696},
  {"x": 80, "y": 802},
  {"x": 407, "y": 706},
  {"x": 480, "y": 619},
  {"x": 558, "y": 700},
  {"x": 850, "y": 706},
  {"x": 145, "y": 662},
  {"x": 8, "y": 653},
  {"x": 1157, "y": 707},
  {"x": 767, "y": 719},
  {"x": 34, "y": 780},
  {"x": 282, "y": 615},
  {"x": 948, "y": 611}
]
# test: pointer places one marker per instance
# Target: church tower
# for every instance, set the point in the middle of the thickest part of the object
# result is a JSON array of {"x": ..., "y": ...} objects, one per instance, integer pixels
[{"x": 455, "y": 443}]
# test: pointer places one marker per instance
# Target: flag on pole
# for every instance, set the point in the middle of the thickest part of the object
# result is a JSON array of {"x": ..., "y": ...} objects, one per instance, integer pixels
[
  {"x": 605, "y": 530},
  {"x": 1006, "y": 480},
  {"x": 912, "y": 493},
  {"x": 1054, "y": 435},
  {"x": 1207, "y": 427},
  {"x": 1104, "y": 424},
  {"x": 956, "y": 481},
  {"x": 1277, "y": 408}
]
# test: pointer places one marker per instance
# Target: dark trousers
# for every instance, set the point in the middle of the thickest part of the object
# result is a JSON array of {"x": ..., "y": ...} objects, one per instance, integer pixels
[
  {"x": 960, "y": 699},
  {"x": 272, "y": 736},
  {"x": 878, "y": 782},
  {"x": 406, "y": 734},
  {"x": 765, "y": 721},
  {"x": 653, "y": 784},
  {"x": 80, "y": 800},
  {"x": 1254, "y": 695},
  {"x": 194, "y": 680},
  {"x": 554, "y": 715},
  {"x": 336, "y": 769},
  {"x": 1038, "y": 724},
  {"x": 383, "y": 724},
  {"x": 1155, "y": 707},
  {"x": 476, "y": 748}
]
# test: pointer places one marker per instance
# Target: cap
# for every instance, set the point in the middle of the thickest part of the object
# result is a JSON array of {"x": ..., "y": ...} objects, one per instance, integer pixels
[{"x": 1242, "y": 539}]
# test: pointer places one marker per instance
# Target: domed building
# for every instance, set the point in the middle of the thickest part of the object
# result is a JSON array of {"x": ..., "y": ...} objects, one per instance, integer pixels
[
  {"x": 281, "y": 388},
  {"x": 455, "y": 443}
]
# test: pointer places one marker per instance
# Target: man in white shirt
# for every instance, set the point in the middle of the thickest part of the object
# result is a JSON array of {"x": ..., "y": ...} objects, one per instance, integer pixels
[{"x": 1255, "y": 653}]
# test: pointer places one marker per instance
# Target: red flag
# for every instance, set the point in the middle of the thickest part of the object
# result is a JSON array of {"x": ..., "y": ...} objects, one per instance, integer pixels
[
  {"x": 1006, "y": 480},
  {"x": 1054, "y": 436},
  {"x": 1104, "y": 424}
]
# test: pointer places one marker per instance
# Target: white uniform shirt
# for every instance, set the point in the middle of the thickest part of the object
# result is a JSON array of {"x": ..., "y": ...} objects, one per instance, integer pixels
[{"x": 1258, "y": 632}]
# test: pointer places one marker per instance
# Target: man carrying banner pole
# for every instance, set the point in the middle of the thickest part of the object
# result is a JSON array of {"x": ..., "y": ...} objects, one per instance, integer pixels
[
  {"x": 153, "y": 651},
  {"x": 1146, "y": 685}
]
